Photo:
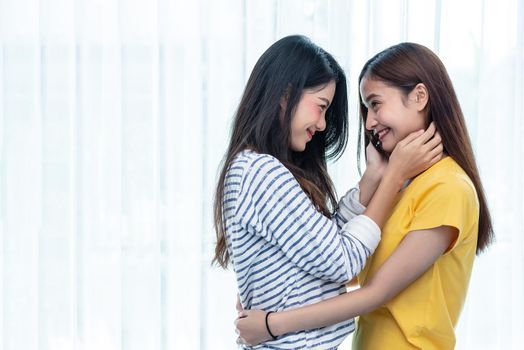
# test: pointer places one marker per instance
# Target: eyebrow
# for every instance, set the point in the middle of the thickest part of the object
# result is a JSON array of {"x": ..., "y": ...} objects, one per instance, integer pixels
[
  {"x": 369, "y": 97},
  {"x": 325, "y": 100}
]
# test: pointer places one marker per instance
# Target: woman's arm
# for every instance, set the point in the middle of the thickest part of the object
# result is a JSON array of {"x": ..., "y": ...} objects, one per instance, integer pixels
[
  {"x": 376, "y": 165},
  {"x": 354, "y": 202},
  {"x": 414, "y": 255}
]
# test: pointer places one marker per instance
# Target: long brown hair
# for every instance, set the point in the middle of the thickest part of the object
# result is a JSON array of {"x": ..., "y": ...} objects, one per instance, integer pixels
[
  {"x": 404, "y": 66},
  {"x": 286, "y": 68}
]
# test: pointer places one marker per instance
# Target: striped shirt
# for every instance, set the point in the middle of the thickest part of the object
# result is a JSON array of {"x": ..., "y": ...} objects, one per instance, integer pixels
[{"x": 284, "y": 252}]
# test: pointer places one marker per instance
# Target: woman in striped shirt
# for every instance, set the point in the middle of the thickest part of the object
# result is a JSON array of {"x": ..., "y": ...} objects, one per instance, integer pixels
[{"x": 277, "y": 220}]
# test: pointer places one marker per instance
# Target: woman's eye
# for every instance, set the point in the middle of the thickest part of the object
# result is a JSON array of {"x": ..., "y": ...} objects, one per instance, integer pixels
[
  {"x": 374, "y": 104},
  {"x": 323, "y": 107}
]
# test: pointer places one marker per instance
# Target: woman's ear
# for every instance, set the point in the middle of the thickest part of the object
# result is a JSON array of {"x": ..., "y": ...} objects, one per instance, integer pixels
[{"x": 420, "y": 96}]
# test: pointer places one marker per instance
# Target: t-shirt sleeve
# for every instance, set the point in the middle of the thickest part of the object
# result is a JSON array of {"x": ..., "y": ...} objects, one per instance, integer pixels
[
  {"x": 271, "y": 204},
  {"x": 452, "y": 203}
]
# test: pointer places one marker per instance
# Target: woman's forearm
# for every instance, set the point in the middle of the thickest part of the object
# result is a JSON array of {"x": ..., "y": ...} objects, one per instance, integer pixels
[
  {"x": 383, "y": 200},
  {"x": 368, "y": 185},
  {"x": 328, "y": 312},
  {"x": 414, "y": 255}
]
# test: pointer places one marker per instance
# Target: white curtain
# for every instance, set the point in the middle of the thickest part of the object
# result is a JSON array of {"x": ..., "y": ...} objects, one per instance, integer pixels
[{"x": 114, "y": 116}]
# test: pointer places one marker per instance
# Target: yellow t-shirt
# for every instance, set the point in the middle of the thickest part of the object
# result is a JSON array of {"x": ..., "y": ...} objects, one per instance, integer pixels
[{"x": 423, "y": 316}]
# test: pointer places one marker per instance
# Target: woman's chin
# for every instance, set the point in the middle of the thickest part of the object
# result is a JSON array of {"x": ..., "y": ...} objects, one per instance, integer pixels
[
  {"x": 298, "y": 148},
  {"x": 388, "y": 148}
]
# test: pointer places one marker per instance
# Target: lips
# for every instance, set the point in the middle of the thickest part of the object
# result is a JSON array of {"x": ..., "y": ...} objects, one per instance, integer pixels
[
  {"x": 382, "y": 133},
  {"x": 310, "y": 134}
]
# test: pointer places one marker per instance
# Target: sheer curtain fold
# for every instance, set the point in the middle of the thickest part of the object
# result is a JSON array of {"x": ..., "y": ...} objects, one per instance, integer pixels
[{"x": 114, "y": 116}]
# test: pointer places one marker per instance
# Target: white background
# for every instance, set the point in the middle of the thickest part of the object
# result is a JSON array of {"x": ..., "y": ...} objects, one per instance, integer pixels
[{"x": 114, "y": 116}]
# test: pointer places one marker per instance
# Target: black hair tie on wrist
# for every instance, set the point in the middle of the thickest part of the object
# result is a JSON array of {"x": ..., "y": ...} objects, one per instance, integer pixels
[{"x": 267, "y": 326}]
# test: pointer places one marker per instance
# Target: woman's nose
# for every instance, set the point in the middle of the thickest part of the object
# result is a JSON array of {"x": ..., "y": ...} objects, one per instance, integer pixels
[
  {"x": 321, "y": 125},
  {"x": 371, "y": 122}
]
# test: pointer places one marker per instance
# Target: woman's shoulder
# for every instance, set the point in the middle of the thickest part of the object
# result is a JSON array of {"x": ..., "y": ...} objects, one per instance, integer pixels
[
  {"x": 249, "y": 160},
  {"x": 447, "y": 175},
  {"x": 250, "y": 171},
  {"x": 249, "y": 155}
]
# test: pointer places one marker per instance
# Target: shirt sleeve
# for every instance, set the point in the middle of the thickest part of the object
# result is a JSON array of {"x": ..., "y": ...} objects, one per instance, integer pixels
[
  {"x": 349, "y": 207},
  {"x": 272, "y": 205},
  {"x": 452, "y": 203}
]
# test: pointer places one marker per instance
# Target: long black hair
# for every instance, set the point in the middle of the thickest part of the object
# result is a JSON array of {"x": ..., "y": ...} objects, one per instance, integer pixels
[{"x": 284, "y": 70}]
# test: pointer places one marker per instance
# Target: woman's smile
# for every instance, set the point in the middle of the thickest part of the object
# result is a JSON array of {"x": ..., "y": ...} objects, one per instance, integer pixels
[{"x": 382, "y": 134}]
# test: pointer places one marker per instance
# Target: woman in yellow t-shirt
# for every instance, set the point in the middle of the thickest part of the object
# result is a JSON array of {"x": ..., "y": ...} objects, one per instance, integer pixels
[{"x": 414, "y": 286}]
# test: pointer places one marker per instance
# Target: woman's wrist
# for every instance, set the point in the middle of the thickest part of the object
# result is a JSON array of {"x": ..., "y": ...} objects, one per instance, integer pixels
[
  {"x": 393, "y": 178},
  {"x": 368, "y": 185},
  {"x": 373, "y": 175},
  {"x": 268, "y": 327},
  {"x": 276, "y": 324}
]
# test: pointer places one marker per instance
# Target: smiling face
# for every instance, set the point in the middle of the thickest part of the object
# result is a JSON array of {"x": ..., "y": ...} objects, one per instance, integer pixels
[
  {"x": 310, "y": 115},
  {"x": 390, "y": 113}
]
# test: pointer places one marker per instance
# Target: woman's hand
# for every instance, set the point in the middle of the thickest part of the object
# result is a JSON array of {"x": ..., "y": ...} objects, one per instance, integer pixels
[
  {"x": 238, "y": 305},
  {"x": 416, "y": 153},
  {"x": 251, "y": 327},
  {"x": 375, "y": 161},
  {"x": 376, "y": 165}
]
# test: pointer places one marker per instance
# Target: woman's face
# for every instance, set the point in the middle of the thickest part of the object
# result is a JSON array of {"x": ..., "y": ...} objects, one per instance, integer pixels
[
  {"x": 391, "y": 114},
  {"x": 310, "y": 115}
]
